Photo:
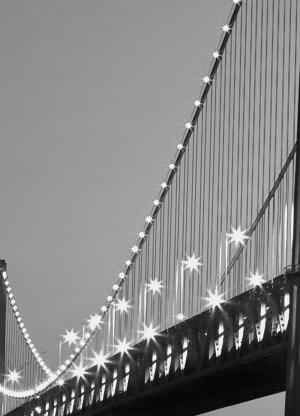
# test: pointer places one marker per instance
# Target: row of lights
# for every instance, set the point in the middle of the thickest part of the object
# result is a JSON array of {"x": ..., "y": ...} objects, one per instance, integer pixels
[
  {"x": 214, "y": 300},
  {"x": 22, "y": 326},
  {"x": 172, "y": 166},
  {"x": 192, "y": 263},
  {"x": 155, "y": 286},
  {"x": 123, "y": 347},
  {"x": 98, "y": 319},
  {"x": 95, "y": 321},
  {"x": 149, "y": 333}
]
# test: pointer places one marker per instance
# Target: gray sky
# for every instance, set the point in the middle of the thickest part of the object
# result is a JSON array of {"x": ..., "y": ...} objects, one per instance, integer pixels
[{"x": 94, "y": 97}]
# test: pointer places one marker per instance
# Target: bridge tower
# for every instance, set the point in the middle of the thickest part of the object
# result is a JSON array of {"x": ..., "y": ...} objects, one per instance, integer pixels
[
  {"x": 292, "y": 401},
  {"x": 2, "y": 323}
]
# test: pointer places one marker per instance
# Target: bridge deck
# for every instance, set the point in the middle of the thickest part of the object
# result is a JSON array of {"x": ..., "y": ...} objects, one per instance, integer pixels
[{"x": 219, "y": 358}]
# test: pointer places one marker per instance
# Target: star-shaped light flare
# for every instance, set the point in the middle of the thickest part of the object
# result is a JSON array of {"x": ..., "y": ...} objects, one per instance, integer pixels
[
  {"x": 192, "y": 263},
  {"x": 214, "y": 299},
  {"x": 226, "y": 28},
  {"x": 237, "y": 236},
  {"x": 123, "y": 346},
  {"x": 155, "y": 285},
  {"x": 99, "y": 359},
  {"x": 13, "y": 376},
  {"x": 79, "y": 371},
  {"x": 256, "y": 279},
  {"x": 94, "y": 321},
  {"x": 149, "y": 332},
  {"x": 123, "y": 305},
  {"x": 134, "y": 249},
  {"x": 71, "y": 337}
]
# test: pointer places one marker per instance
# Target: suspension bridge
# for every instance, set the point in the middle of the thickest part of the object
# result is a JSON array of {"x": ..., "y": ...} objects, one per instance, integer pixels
[{"x": 208, "y": 300}]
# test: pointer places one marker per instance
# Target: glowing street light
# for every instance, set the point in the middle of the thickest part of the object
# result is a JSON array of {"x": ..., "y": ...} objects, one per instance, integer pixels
[
  {"x": 155, "y": 285},
  {"x": 13, "y": 376},
  {"x": 192, "y": 263},
  {"x": 149, "y": 332},
  {"x": 79, "y": 371},
  {"x": 94, "y": 321},
  {"x": 214, "y": 299},
  {"x": 99, "y": 359},
  {"x": 123, "y": 305},
  {"x": 71, "y": 337},
  {"x": 123, "y": 346},
  {"x": 237, "y": 236},
  {"x": 256, "y": 279}
]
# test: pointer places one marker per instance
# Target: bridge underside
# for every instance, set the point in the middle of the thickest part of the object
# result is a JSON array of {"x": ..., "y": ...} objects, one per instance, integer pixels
[{"x": 257, "y": 376}]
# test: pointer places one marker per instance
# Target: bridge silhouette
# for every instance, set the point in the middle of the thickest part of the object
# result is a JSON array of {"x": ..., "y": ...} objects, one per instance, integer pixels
[{"x": 208, "y": 299}]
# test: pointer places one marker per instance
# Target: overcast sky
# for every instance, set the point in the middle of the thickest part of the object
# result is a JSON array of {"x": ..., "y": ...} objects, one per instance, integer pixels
[{"x": 94, "y": 97}]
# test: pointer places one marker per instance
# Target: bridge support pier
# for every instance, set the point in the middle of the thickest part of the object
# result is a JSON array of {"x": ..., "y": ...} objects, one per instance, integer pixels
[
  {"x": 2, "y": 323},
  {"x": 292, "y": 399}
]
